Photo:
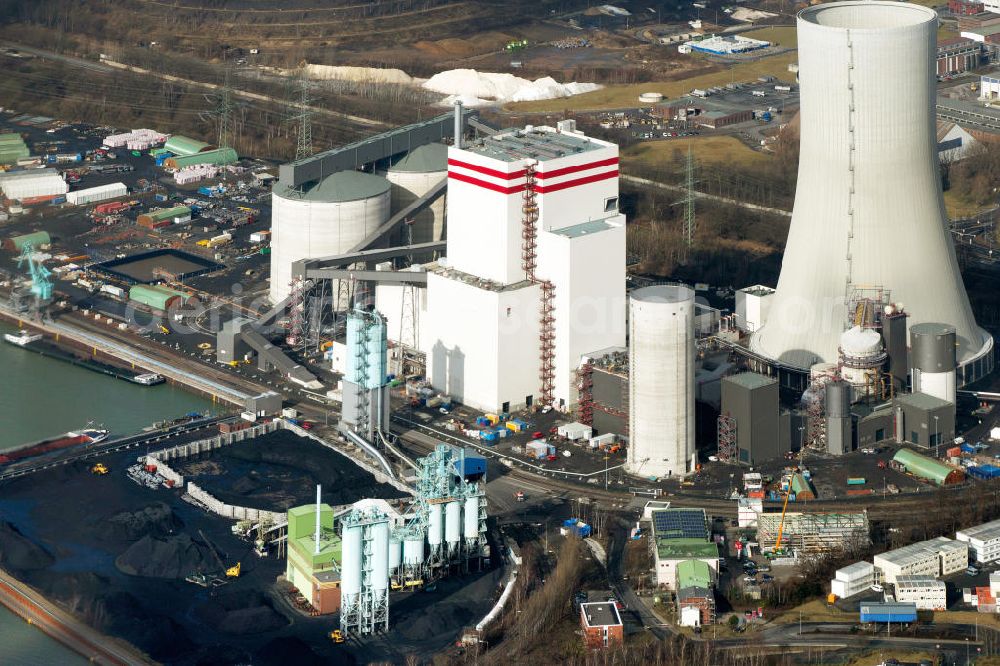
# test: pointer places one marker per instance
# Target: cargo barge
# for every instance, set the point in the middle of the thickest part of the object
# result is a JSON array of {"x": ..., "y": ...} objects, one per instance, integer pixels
[
  {"x": 70, "y": 439},
  {"x": 35, "y": 342}
]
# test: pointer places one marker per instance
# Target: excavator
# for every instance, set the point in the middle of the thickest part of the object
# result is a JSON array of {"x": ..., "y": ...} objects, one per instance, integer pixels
[
  {"x": 231, "y": 572},
  {"x": 100, "y": 469}
]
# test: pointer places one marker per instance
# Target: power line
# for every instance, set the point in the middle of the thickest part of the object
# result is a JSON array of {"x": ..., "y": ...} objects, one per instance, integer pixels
[{"x": 690, "y": 196}]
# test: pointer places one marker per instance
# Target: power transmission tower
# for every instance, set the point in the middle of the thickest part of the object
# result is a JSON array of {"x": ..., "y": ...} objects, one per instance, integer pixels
[
  {"x": 688, "y": 201},
  {"x": 224, "y": 110},
  {"x": 303, "y": 119}
]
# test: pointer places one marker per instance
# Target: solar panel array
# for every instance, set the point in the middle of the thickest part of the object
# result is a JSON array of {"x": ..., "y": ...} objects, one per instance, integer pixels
[{"x": 680, "y": 524}]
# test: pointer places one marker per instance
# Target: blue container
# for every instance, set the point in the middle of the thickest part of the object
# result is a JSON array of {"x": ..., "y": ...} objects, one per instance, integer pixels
[
  {"x": 488, "y": 436},
  {"x": 968, "y": 448},
  {"x": 482, "y": 421}
]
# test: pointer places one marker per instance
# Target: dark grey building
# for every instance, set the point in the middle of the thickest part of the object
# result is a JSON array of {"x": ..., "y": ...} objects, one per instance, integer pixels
[
  {"x": 924, "y": 420},
  {"x": 610, "y": 402},
  {"x": 752, "y": 402},
  {"x": 872, "y": 426}
]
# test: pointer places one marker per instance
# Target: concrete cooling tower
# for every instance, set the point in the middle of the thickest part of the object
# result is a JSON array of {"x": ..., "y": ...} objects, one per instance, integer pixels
[{"x": 868, "y": 211}]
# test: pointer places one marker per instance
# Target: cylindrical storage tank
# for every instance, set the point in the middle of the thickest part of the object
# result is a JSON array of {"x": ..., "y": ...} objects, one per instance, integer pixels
[
  {"x": 350, "y": 575},
  {"x": 861, "y": 357},
  {"x": 395, "y": 553},
  {"x": 435, "y": 525},
  {"x": 412, "y": 177},
  {"x": 380, "y": 555},
  {"x": 453, "y": 524},
  {"x": 661, "y": 380},
  {"x": 869, "y": 153},
  {"x": 328, "y": 218},
  {"x": 471, "y": 518},
  {"x": 822, "y": 372},
  {"x": 934, "y": 359},
  {"x": 838, "y": 399},
  {"x": 413, "y": 551}
]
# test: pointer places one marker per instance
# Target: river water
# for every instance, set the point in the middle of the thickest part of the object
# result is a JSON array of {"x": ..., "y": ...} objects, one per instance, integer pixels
[{"x": 43, "y": 397}]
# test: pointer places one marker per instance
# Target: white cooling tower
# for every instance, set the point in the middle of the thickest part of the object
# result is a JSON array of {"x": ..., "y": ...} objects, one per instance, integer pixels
[
  {"x": 411, "y": 178},
  {"x": 868, "y": 207},
  {"x": 326, "y": 219},
  {"x": 661, "y": 381}
]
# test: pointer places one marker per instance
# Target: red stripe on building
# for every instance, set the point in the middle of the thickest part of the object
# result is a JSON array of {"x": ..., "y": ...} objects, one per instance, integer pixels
[
  {"x": 545, "y": 189},
  {"x": 486, "y": 184},
  {"x": 487, "y": 171},
  {"x": 542, "y": 175}
]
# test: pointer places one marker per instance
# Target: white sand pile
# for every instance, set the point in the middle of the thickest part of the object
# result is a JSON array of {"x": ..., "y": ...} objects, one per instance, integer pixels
[
  {"x": 359, "y": 74},
  {"x": 476, "y": 88},
  {"x": 750, "y": 15}
]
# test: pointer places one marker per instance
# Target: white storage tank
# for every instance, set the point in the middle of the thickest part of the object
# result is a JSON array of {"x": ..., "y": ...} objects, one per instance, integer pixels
[
  {"x": 471, "y": 531},
  {"x": 380, "y": 556},
  {"x": 328, "y": 218},
  {"x": 435, "y": 525},
  {"x": 411, "y": 178},
  {"x": 453, "y": 525},
  {"x": 395, "y": 553},
  {"x": 861, "y": 357},
  {"x": 413, "y": 551},
  {"x": 933, "y": 360},
  {"x": 661, "y": 384},
  {"x": 350, "y": 576}
]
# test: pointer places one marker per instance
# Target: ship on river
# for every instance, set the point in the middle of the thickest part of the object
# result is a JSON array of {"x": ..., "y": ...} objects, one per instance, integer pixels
[{"x": 36, "y": 342}]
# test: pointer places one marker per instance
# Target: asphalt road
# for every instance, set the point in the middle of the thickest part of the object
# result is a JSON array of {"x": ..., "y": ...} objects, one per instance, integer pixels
[{"x": 57, "y": 57}]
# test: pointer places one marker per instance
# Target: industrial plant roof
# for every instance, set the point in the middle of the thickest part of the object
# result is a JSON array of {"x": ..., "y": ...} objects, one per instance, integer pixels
[
  {"x": 693, "y": 573},
  {"x": 184, "y": 145},
  {"x": 600, "y": 614},
  {"x": 856, "y": 569},
  {"x": 984, "y": 532},
  {"x": 751, "y": 380},
  {"x": 922, "y": 400},
  {"x": 918, "y": 582},
  {"x": 584, "y": 228},
  {"x": 920, "y": 551},
  {"x": 218, "y": 156},
  {"x": 538, "y": 143},
  {"x": 425, "y": 159},
  {"x": 684, "y": 549},
  {"x": 680, "y": 523},
  {"x": 923, "y": 466},
  {"x": 337, "y": 188}
]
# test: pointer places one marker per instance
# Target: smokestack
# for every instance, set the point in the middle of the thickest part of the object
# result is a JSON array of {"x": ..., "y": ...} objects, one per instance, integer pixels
[
  {"x": 319, "y": 494},
  {"x": 458, "y": 123},
  {"x": 868, "y": 208}
]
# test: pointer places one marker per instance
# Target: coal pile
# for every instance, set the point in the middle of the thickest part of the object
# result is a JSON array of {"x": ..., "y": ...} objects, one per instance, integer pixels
[
  {"x": 241, "y": 613},
  {"x": 175, "y": 556},
  {"x": 280, "y": 470},
  {"x": 157, "y": 520},
  {"x": 19, "y": 553},
  {"x": 288, "y": 650}
]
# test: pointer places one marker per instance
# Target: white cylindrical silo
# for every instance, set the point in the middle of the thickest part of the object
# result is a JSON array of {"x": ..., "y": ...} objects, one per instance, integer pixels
[
  {"x": 453, "y": 525},
  {"x": 435, "y": 525},
  {"x": 350, "y": 575},
  {"x": 395, "y": 553},
  {"x": 413, "y": 551},
  {"x": 868, "y": 210},
  {"x": 861, "y": 358},
  {"x": 380, "y": 555},
  {"x": 328, "y": 218},
  {"x": 661, "y": 381},
  {"x": 471, "y": 530},
  {"x": 411, "y": 178},
  {"x": 933, "y": 360}
]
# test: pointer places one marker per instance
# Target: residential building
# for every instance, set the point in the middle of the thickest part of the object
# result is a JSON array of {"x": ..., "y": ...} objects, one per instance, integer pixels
[
  {"x": 965, "y": 7},
  {"x": 695, "y": 596},
  {"x": 983, "y": 540},
  {"x": 936, "y": 557},
  {"x": 679, "y": 535},
  {"x": 601, "y": 624},
  {"x": 926, "y": 592}
]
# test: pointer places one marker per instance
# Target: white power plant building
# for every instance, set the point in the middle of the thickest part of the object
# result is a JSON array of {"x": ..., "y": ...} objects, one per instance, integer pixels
[
  {"x": 661, "y": 381},
  {"x": 534, "y": 276},
  {"x": 868, "y": 210}
]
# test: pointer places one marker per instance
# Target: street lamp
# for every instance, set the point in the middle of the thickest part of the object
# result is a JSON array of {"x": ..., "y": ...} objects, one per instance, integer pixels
[{"x": 937, "y": 438}]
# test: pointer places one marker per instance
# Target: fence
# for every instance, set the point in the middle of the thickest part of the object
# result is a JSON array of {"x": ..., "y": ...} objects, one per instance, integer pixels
[{"x": 230, "y": 511}]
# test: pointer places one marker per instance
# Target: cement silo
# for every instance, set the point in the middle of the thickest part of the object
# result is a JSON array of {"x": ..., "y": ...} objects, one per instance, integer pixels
[
  {"x": 868, "y": 216},
  {"x": 379, "y": 568},
  {"x": 328, "y": 218},
  {"x": 933, "y": 360},
  {"x": 435, "y": 530},
  {"x": 471, "y": 525},
  {"x": 411, "y": 178},
  {"x": 350, "y": 575},
  {"x": 453, "y": 526},
  {"x": 413, "y": 553},
  {"x": 661, "y": 381},
  {"x": 395, "y": 553}
]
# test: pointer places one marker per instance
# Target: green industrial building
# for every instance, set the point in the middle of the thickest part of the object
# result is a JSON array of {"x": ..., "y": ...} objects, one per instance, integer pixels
[
  {"x": 928, "y": 468},
  {"x": 216, "y": 157},
  {"x": 12, "y": 148},
  {"x": 185, "y": 145},
  {"x": 314, "y": 571},
  {"x": 36, "y": 239},
  {"x": 152, "y": 296}
]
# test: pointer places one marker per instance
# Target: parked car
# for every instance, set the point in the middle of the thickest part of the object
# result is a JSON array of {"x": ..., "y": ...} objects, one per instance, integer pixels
[{"x": 877, "y": 588}]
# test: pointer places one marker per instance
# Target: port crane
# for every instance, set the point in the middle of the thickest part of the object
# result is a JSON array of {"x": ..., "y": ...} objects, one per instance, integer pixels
[{"x": 41, "y": 285}]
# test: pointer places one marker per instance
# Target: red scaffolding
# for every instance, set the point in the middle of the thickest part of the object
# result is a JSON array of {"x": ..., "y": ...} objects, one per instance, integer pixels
[{"x": 546, "y": 330}]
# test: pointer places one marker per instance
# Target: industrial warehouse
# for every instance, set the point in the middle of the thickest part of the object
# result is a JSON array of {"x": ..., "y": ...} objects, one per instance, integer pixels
[{"x": 441, "y": 405}]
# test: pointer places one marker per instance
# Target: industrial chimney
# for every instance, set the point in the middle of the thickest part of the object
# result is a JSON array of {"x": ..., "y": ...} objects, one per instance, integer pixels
[{"x": 868, "y": 215}]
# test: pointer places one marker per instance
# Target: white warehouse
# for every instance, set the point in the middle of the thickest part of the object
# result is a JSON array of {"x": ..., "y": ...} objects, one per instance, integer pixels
[
  {"x": 983, "y": 540},
  {"x": 926, "y": 592},
  {"x": 534, "y": 276},
  {"x": 936, "y": 557}
]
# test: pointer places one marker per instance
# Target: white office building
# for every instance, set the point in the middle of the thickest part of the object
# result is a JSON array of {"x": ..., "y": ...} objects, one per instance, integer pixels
[
  {"x": 983, "y": 540},
  {"x": 853, "y": 579},
  {"x": 926, "y": 592},
  {"x": 935, "y": 558}
]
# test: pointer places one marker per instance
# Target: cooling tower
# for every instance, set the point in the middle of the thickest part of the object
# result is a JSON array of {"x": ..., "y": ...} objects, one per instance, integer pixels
[{"x": 868, "y": 207}]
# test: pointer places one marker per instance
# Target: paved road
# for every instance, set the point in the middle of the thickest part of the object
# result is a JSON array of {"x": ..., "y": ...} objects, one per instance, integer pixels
[
  {"x": 58, "y": 57},
  {"x": 635, "y": 180}
]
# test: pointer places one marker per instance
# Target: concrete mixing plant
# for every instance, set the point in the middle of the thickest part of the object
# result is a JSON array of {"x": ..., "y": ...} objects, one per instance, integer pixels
[{"x": 868, "y": 216}]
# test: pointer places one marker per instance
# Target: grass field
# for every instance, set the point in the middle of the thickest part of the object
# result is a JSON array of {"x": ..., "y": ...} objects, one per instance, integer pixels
[
  {"x": 781, "y": 35},
  {"x": 714, "y": 149},
  {"x": 626, "y": 96},
  {"x": 959, "y": 207}
]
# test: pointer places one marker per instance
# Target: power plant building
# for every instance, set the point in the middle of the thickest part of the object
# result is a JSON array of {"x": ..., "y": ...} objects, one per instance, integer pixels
[
  {"x": 314, "y": 568},
  {"x": 868, "y": 213},
  {"x": 749, "y": 422}
]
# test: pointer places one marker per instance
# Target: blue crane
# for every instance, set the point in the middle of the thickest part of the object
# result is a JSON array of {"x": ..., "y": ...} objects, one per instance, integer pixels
[{"x": 41, "y": 285}]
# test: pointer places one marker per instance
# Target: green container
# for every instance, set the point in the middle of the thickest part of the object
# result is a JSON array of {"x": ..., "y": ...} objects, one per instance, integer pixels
[{"x": 265, "y": 250}]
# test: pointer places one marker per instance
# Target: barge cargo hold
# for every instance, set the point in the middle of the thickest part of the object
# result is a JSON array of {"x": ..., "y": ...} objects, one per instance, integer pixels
[
  {"x": 35, "y": 342},
  {"x": 70, "y": 439}
]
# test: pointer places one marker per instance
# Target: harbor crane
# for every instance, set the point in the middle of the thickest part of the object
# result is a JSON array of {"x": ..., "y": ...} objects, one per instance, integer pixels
[{"x": 41, "y": 285}]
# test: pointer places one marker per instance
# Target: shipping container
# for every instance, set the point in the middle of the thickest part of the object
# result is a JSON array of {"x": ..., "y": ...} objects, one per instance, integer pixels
[
  {"x": 856, "y": 481},
  {"x": 954, "y": 452},
  {"x": 117, "y": 292}
]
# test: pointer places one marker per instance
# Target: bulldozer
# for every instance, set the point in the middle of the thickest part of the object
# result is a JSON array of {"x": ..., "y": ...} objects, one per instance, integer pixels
[
  {"x": 337, "y": 636},
  {"x": 100, "y": 469},
  {"x": 234, "y": 571}
]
